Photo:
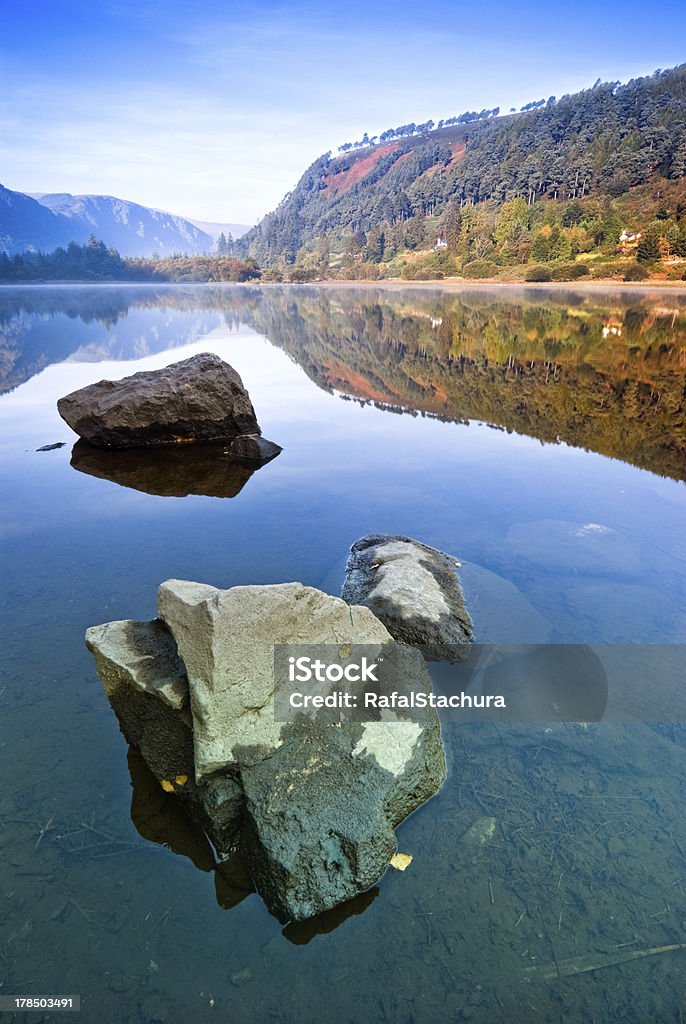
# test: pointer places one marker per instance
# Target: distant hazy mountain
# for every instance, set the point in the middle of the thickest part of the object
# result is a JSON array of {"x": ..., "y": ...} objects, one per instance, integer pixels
[
  {"x": 25, "y": 224},
  {"x": 132, "y": 229},
  {"x": 45, "y": 220},
  {"x": 215, "y": 230}
]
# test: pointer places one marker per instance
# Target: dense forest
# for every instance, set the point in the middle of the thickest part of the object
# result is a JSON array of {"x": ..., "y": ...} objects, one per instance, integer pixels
[
  {"x": 588, "y": 186},
  {"x": 581, "y": 180}
]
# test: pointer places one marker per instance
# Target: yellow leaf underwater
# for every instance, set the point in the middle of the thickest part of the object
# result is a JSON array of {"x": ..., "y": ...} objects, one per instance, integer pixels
[
  {"x": 167, "y": 786},
  {"x": 400, "y": 861},
  {"x": 181, "y": 780}
]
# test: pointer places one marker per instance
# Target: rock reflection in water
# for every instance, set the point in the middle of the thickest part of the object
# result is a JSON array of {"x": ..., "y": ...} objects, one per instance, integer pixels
[
  {"x": 160, "y": 818},
  {"x": 171, "y": 471},
  {"x": 302, "y": 932}
]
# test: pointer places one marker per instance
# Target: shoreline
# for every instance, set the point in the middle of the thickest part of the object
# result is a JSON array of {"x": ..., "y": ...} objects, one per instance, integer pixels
[
  {"x": 458, "y": 284},
  {"x": 452, "y": 284}
]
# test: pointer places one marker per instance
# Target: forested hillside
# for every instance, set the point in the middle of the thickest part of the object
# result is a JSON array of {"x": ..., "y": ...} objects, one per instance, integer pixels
[{"x": 538, "y": 186}]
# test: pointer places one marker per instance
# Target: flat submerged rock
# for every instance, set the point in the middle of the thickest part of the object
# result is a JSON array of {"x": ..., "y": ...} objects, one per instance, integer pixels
[{"x": 414, "y": 590}]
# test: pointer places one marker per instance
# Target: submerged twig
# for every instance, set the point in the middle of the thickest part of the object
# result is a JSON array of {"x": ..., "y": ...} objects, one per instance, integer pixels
[
  {"x": 582, "y": 965},
  {"x": 46, "y": 828}
]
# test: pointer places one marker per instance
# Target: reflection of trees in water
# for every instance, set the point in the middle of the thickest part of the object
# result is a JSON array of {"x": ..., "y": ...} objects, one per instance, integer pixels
[
  {"x": 112, "y": 322},
  {"x": 603, "y": 376},
  {"x": 159, "y": 818},
  {"x": 604, "y": 372}
]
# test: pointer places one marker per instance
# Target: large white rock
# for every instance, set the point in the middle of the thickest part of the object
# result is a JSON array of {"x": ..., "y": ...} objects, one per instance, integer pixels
[
  {"x": 313, "y": 806},
  {"x": 226, "y": 641}
]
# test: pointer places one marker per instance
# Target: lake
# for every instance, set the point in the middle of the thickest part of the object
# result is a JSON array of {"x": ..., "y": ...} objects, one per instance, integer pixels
[{"x": 538, "y": 437}]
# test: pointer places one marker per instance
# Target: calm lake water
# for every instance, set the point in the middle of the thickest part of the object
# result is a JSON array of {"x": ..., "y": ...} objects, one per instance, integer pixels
[{"x": 538, "y": 437}]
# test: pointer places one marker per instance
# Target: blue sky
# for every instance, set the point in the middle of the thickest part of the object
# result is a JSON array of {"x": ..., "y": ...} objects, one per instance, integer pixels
[{"x": 213, "y": 109}]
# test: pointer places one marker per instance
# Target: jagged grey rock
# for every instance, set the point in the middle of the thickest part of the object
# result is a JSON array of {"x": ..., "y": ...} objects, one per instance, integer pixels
[
  {"x": 313, "y": 807},
  {"x": 253, "y": 448},
  {"x": 320, "y": 812},
  {"x": 411, "y": 754},
  {"x": 197, "y": 399},
  {"x": 414, "y": 590},
  {"x": 141, "y": 656},
  {"x": 226, "y": 641},
  {"x": 316, "y": 833},
  {"x": 146, "y": 684}
]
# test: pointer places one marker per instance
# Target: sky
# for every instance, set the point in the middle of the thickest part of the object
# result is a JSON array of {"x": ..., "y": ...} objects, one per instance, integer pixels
[{"x": 213, "y": 109}]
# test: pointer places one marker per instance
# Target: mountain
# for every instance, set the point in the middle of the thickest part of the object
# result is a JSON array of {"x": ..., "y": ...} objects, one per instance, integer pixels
[
  {"x": 25, "y": 224},
  {"x": 44, "y": 221},
  {"x": 215, "y": 230},
  {"x": 373, "y": 200},
  {"x": 131, "y": 229}
]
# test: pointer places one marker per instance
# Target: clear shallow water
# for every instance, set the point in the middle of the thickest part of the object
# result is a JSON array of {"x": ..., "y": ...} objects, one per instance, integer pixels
[{"x": 558, "y": 543}]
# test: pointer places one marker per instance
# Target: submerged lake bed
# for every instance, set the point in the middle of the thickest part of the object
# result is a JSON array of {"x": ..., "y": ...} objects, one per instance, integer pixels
[{"x": 538, "y": 438}]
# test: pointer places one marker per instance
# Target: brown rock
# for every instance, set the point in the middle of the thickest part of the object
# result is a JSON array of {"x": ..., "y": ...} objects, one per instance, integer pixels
[
  {"x": 253, "y": 448},
  {"x": 198, "y": 399}
]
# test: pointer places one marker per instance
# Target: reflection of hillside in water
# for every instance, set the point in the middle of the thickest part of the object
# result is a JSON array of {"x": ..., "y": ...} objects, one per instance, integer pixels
[
  {"x": 605, "y": 376},
  {"x": 41, "y": 326},
  {"x": 597, "y": 371}
]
